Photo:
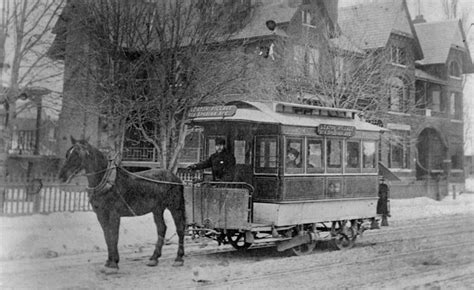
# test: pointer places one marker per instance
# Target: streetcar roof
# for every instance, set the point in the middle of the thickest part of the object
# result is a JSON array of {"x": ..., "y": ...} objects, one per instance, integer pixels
[{"x": 284, "y": 113}]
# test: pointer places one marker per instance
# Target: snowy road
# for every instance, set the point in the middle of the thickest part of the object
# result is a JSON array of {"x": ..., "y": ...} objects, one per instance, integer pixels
[{"x": 424, "y": 252}]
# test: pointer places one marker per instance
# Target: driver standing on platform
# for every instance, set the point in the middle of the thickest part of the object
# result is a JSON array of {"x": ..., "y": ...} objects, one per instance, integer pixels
[{"x": 222, "y": 163}]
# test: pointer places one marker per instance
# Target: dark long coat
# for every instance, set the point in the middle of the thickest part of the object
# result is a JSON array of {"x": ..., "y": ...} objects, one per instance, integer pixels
[
  {"x": 382, "y": 203},
  {"x": 222, "y": 165}
]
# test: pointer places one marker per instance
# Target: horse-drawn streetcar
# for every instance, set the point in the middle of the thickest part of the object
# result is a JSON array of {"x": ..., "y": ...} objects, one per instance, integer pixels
[{"x": 302, "y": 173}]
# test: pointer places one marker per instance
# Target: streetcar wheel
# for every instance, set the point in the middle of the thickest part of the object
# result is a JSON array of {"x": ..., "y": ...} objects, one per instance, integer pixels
[
  {"x": 237, "y": 240},
  {"x": 345, "y": 241},
  {"x": 304, "y": 249}
]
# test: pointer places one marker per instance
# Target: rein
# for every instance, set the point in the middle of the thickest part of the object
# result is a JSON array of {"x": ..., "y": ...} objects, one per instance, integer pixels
[
  {"x": 109, "y": 178},
  {"x": 154, "y": 180}
]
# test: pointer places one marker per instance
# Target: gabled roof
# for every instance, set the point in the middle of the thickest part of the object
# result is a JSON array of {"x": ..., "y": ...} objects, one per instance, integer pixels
[
  {"x": 370, "y": 25},
  {"x": 345, "y": 44},
  {"x": 437, "y": 39}
]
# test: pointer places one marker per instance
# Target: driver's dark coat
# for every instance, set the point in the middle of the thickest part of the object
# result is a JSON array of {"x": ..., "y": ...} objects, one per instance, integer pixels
[{"x": 222, "y": 165}]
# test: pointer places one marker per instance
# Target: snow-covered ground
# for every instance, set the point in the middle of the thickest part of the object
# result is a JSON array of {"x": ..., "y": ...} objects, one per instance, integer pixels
[{"x": 79, "y": 232}]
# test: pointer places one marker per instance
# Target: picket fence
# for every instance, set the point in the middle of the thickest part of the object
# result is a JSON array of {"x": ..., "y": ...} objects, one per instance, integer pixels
[{"x": 20, "y": 195}]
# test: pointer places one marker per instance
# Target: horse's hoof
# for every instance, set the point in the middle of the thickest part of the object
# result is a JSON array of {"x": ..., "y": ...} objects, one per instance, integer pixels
[
  {"x": 178, "y": 263},
  {"x": 109, "y": 271},
  {"x": 112, "y": 265},
  {"x": 152, "y": 263}
]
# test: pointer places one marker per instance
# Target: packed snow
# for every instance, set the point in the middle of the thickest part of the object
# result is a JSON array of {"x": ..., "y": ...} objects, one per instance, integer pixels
[{"x": 58, "y": 234}]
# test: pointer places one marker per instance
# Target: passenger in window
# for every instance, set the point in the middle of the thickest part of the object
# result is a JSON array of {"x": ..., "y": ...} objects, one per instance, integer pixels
[
  {"x": 222, "y": 163},
  {"x": 292, "y": 156},
  {"x": 332, "y": 190},
  {"x": 353, "y": 159}
]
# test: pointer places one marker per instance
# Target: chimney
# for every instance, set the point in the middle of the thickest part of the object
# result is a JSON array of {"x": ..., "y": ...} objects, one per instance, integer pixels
[
  {"x": 331, "y": 7},
  {"x": 419, "y": 19}
]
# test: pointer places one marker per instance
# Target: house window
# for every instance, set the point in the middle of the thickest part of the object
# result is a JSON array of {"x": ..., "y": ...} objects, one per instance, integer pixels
[
  {"x": 396, "y": 94},
  {"x": 306, "y": 59},
  {"x": 313, "y": 59},
  {"x": 398, "y": 55},
  {"x": 398, "y": 153},
  {"x": 306, "y": 18},
  {"x": 457, "y": 157},
  {"x": 436, "y": 100},
  {"x": 340, "y": 73},
  {"x": 455, "y": 105},
  {"x": 420, "y": 94},
  {"x": 299, "y": 57},
  {"x": 454, "y": 69}
]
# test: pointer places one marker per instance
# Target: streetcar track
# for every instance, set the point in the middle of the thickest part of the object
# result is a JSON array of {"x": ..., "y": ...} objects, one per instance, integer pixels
[
  {"x": 197, "y": 251},
  {"x": 306, "y": 269}
]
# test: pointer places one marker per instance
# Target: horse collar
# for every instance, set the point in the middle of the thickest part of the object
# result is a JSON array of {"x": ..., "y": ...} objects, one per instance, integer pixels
[{"x": 108, "y": 180}]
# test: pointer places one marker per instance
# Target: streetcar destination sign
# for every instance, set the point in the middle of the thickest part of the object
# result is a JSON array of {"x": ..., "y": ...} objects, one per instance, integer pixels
[
  {"x": 336, "y": 130},
  {"x": 214, "y": 111}
]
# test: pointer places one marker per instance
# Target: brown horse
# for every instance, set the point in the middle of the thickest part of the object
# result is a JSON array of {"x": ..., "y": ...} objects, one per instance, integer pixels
[{"x": 126, "y": 194}]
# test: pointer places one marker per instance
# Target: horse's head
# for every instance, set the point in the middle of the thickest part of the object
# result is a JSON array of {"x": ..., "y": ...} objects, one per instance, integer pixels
[{"x": 75, "y": 159}]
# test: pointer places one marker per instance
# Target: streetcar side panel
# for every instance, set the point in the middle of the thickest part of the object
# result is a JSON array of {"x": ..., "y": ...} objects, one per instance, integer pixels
[
  {"x": 292, "y": 213},
  {"x": 216, "y": 205}
]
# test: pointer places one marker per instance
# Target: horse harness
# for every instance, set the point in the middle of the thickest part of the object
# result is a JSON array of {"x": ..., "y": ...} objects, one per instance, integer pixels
[{"x": 109, "y": 179}]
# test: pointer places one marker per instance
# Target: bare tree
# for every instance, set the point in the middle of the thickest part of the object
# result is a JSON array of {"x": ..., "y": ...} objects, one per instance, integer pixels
[
  {"x": 154, "y": 60},
  {"x": 337, "y": 73},
  {"x": 26, "y": 27}
]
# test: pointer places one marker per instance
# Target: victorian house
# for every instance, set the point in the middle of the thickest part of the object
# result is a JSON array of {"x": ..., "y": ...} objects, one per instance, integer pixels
[
  {"x": 422, "y": 77},
  {"x": 271, "y": 24},
  {"x": 424, "y": 104}
]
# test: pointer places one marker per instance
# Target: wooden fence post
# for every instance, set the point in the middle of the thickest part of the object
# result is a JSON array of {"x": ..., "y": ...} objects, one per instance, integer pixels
[{"x": 2, "y": 199}]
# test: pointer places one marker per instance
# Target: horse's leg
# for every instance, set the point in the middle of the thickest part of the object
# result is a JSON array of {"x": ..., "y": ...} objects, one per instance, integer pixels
[
  {"x": 110, "y": 223},
  {"x": 161, "y": 229},
  {"x": 180, "y": 222}
]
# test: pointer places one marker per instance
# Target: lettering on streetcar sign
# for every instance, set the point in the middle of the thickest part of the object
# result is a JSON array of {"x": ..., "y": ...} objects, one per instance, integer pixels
[
  {"x": 214, "y": 111},
  {"x": 336, "y": 130}
]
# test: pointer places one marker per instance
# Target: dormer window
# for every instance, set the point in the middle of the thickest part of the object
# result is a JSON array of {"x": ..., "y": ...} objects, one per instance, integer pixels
[
  {"x": 396, "y": 94},
  {"x": 398, "y": 55},
  {"x": 306, "y": 18},
  {"x": 454, "y": 69}
]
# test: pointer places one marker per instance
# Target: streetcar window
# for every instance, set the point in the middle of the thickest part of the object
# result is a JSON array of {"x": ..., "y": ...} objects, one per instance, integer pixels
[
  {"x": 266, "y": 155},
  {"x": 294, "y": 155},
  {"x": 314, "y": 156},
  {"x": 353, "y": 156},
  {"x": 334, "y": 155},
  {"x": 369, "y": 154}
]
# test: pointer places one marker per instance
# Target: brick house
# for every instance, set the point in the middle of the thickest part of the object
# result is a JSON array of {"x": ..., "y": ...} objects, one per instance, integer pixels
[
  {"x": 425, "y": 102},
  {"x": 424, "y": 109},
  {"x": 289, "y": 18}
]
